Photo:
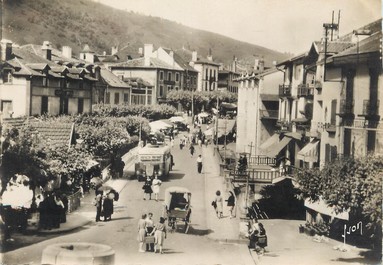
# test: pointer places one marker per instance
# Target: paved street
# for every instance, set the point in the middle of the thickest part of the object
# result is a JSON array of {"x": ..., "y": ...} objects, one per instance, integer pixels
[{"x": 193, "y": 248}]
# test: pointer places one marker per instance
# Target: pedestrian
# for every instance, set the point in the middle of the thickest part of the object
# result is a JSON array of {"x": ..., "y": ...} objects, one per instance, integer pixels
[
  {"x": 149, "y": 229},
  {"x": 108, "y": 206},
  {"x": 199, "y": 142},
  {"x": 159, "y": 235},
  {"x": 191, "y": 148},
  {"x": 148, "y": 188},
  {"x": 219, "y": 202},
  {"x": 181, "y": 143},
  {"x": 141, "y": 233},
  {"x": 156, "y": 183},
  {"x": 98, "y": 203},
  {"x": 172, "y": 142},
  {"x": 199, "y": 164},
  {"x": 231, "y": 204}
]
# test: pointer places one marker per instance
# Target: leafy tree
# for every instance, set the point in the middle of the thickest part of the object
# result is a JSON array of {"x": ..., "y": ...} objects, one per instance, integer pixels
[{"x": 353, "y": 185}]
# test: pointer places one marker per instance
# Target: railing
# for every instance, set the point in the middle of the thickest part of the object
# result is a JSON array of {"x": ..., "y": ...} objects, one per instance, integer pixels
[
  {"x": 268, "y": 114},
  {"x": 370, "y": 107},
  {"x": 305, "y": 90},
  {"x": 285, "y": 90},
  {"x": 74, "y": 201},
  {"x": 254, "y": 176},
  {"x": 262, "y": 160},
  {"x": 346, "y": 107}
]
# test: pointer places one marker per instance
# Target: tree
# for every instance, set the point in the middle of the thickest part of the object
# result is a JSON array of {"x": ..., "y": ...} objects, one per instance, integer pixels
[{"x": 353, "y": 185}]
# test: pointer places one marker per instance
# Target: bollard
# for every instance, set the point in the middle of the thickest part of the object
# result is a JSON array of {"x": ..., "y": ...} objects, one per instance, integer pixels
[{"x": 78, "y": 254}]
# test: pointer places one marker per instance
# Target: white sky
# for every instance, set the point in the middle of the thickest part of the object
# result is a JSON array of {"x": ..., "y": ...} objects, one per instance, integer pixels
[{"x": 282, "y": 25}]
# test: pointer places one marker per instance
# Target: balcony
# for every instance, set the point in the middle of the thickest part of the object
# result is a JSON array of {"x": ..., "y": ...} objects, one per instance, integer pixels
[
  {"x": 304, "y": 90},
  {"x": 346, "y": 108},
  {"x": 330, "y": 128},
  {"x": 268, "y": 114},
  {"x": 370, "y": 108},
  {"x": 284, "y": 126},
  {"x": 262, "y": 160},
  {"x": 169, "y": 82},
  {"x": 253, "y": 176},
  {"x": 284, "y": 90}
]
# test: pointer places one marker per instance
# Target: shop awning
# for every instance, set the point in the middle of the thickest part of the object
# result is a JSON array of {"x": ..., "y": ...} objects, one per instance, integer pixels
[
  {"x": 264, "y": 147},
  {"x": 225, "y": 126},
  {"x": 321, "y": 206},
  {"x": 309, "y": 153},
  {"x": 277, "y": 147}
]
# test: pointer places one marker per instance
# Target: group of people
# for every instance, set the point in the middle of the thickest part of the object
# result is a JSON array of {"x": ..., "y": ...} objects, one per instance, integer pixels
[
  {"x": 153, "y": 235},
  {"x": 52, "y": 211},
  {"x": 218, "y": 204},
  {"x": 104, "y": 204},
  {"x": 257, "y": 236},
  {"x": 152, "y": 186}
]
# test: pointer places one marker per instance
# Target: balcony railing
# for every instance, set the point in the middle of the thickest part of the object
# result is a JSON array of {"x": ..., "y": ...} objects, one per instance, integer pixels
[
  {"x": 285, "y": 90},
  {"x": 346, "y": 107},
  {"x": 304, "y": 90},
  {"x": 254, "y": 176},
  {"x": 370, "y": 108},
  {"x": 268, "y": 114},
  {"x": 262, "y": 160}
]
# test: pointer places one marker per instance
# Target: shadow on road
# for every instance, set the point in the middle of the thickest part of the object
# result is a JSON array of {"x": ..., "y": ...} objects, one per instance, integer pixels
[
  {"x": 175, "y": 176},
  {"x": 199, "y": 232},
  {"x": 121, "y": 218}
]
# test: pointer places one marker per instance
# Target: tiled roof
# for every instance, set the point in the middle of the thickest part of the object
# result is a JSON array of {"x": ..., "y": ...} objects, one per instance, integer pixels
[
  {"x": 112, "y": 80},
  {"x": 368, "y": 45},
  {"x": 14, "y": 122},
  {"x": 38, "y": 66},
  {"x": 57, "y": 134},
  {"x": 333, "y": 47},
  {"x": 140, "y": 63}
]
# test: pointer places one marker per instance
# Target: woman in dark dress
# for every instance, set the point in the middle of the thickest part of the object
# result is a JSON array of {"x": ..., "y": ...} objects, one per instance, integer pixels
[
  {"x": 148, "y": 188},
  {"x": 231, "y": 204},
  {"x": 108, "y": 207}
]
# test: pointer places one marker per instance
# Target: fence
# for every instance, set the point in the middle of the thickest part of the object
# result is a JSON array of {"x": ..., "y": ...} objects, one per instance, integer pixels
[
  {"x": 254, "y": 175},
  {"x": 74, "y": 201}
]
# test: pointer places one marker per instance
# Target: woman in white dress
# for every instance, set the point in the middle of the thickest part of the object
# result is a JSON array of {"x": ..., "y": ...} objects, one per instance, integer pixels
[
  {"x": 156, "y": 186},
  {"x": 159, "y": 235}
]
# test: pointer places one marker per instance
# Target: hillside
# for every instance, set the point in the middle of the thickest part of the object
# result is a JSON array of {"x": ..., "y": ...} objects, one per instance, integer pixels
[{"x": 78, "y": 22}]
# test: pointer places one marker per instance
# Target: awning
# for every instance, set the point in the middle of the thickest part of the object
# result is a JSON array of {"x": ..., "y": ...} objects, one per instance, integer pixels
[
  {"x": 277, "y": 147},
  {"x": 309, "y": 153},
  {"x": 264, "y": 147},
  {"x": 228, "y": 105},
  {"x": 225, "y": 126},
  {"x": 295, "y": 135},
  {"x": 321, "y": 206}
]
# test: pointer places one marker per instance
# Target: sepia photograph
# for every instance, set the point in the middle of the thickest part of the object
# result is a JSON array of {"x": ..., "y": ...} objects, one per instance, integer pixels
[{"x": 191, "y": 132}]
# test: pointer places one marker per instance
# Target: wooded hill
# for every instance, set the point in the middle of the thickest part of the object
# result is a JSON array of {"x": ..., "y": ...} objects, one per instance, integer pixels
[{"x": 75, "y": 23}]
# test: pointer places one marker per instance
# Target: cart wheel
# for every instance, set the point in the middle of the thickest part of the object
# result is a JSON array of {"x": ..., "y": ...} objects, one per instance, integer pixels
[{"x": 186, "y": 227}]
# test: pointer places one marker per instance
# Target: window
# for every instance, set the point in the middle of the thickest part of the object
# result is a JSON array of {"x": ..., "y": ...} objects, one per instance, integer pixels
[
  {"x": 206, "y": 74},
  {"x": 44, "y": 104},
  {"x": 7, "y": 77},
  {"x": 107, "y": 98},
  {"x": 45, "y": 81},
  {"x": 126, "y": 97},
  {"x": 116, "y": 98},
  {"x": 169, "y": 88},
  {"x": 80, "y": 105},
  {"x": 161, "y": 75},
  {"x": 176, "y": 88},
  {"x": 161, "y": 91},
  {"x": 6, "y": 108},
  {"x": 169, "y": 76},
  {"x": 177, "y": 77}
]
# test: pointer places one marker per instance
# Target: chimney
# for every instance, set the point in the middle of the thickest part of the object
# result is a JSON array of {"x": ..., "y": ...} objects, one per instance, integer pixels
[
  {"x": 210, "y": 58},
  {"x": 171, "y": 54},
  {"x": 67, "y": 51},
  {"x": 194, "y": 56},
  {"x": 47, "y": 49},
  {"x": 114, "y": 50},
  {"x": 148, "y": 51},
  {"x": 5, "y": 50},
  {"x": 234, "y": 65}
]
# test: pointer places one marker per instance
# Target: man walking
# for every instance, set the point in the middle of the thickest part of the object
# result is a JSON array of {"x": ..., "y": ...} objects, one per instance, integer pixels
[{"x": 199, "y": 164}]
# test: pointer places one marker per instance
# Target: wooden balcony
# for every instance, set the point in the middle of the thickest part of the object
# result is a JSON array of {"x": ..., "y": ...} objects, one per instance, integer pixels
[
  {"x": 370, "y": 108},
  {"x": 254, "y": 176},
  {"x": 346, "y": 108},
  {"x": 304, "y": 90},
  {"x": 284, "y": 90},
  {"x": 262, "y": 160},
  {"x": 268, "y": 114}
]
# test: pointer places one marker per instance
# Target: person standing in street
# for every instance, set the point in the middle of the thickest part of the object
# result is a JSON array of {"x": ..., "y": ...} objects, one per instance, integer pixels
[
  {"x": 191, "y": 148},
  {"x": 149, "y": 229},
  {"x": 156, "y": 186},
  {"x": 159, "y": 235},
  {"x": 98, "y": 204},
  {"x": 199, "y": 164},
  {"x": 219, "y": 204},
  {"x": 231, "y": 204},
  {"x": 141, "y": 233},
  {"x": 148, "y": 188}
]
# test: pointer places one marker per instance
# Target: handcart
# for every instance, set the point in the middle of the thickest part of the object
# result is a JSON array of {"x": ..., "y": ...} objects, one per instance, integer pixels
[{"x": 177, "y": 207}]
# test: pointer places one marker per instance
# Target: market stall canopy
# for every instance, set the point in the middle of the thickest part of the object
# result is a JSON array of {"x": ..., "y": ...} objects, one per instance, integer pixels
[
  {"x": 159, "y": 125},
  {"x": 322, "y": 207},
  {"x": 177, "y": 119},
  {"x": 225, "y": 126},
  {"x": 229, "y": 106}
]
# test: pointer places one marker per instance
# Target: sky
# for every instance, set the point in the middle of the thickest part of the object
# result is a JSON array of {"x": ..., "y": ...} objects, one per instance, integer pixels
[{"x": 282, "y": 25}]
